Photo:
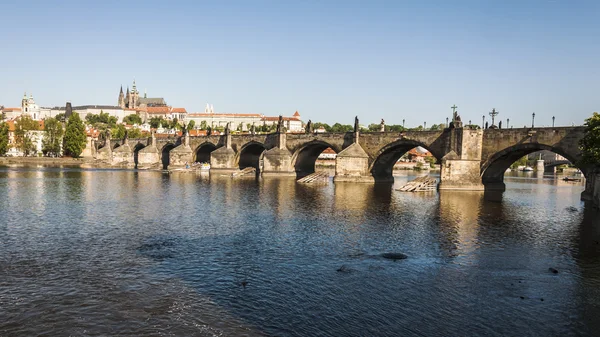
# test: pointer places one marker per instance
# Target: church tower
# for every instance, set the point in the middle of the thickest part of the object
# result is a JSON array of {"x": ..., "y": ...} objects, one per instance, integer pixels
[
  {"x": 121, "y": 99},
  {"x": 128, "y": 99}
]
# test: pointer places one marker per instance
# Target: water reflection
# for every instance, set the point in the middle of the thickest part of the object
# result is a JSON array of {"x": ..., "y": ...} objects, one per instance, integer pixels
[{"x": 145, "y": 253}]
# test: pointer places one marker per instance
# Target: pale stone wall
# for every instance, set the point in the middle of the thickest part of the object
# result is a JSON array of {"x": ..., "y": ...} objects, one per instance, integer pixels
[
  {"x": 180, "y": 155},
  {"x": 278, "y": 162}
]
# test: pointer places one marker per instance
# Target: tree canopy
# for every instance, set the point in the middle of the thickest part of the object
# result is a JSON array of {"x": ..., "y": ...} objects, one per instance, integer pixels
[
  {"x": 133, "y": 119},
  {"x": 590, "y": 143},
  {"x": 52, "y": 142},
  {"x": 3, "y": 138},
  {"x": 22, "y": 138},
  {"x": 75, "y": 137},
  {"x": 102, "y": 119}
]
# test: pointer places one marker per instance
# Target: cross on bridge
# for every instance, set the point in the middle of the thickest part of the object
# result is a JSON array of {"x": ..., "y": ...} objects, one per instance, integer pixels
[
  {"x": 454, "y": 113},
  {"x": 494, "y": 113}
]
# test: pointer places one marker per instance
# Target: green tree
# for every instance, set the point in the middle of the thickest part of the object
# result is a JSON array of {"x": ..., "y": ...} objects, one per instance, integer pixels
[
  {"x": 436, "y": 127},
  {"x": 51, "y": 144},
  {"x": 325, "y": 126},
  {"x": 337, "y": 127},
  {"x": 203, "y": 125},
  {"x": 60, "y": 117},
  {"x": 133, "y": 119},
  {"x": 520, "y": 162},
  {"x": 134, "y": 133},
  {"x": 118, "y": 131},
  {"x": 191, "y": 124},
  {"x": 3, "y": 138},
  {"x": 23, "y": 140},
  {"x": 156, "y": 122},
  {"x": 102, "y": 120},
  {"x": 590, "y": 143},
  {"x": 75, "y": 138},
  {"x": 175, "y": 124}
]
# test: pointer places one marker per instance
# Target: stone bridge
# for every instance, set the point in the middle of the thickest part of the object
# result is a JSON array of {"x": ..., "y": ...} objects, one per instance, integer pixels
[{"x": 470, "y": 159}]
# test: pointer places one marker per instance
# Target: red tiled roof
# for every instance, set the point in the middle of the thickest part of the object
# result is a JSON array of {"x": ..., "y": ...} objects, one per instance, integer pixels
[
  {"x": 12, "y": 109},
  {"x": 179, "y": 110},
  {"x": 296, "y": 114},
  {"x": 197, "y": 132},
  {"x": 414, "y": 152},
  {"x": 203, "y": 114},
  {"x": 158, "y": 110}
]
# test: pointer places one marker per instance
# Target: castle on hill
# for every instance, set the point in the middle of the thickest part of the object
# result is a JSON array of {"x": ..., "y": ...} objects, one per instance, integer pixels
[{"x": 132, "y": 99}]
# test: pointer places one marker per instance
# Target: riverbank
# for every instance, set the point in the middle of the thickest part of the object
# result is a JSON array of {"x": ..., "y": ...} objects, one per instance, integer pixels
[{"x": 46, "y": 161}]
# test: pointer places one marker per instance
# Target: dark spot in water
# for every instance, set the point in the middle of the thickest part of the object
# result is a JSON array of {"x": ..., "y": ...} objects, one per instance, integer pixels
[
  {"x": 553, "y": 271},
  {"x": 159, "y": 250},
  {"x": 522, "y": 297},
  {"x": 571, "y": 209},
  {"x": 394, "y": 256},
  {"x": 244, "y": 283},
  {"x": 344, "y": 269},
  {"x": 541, "y": 299}
]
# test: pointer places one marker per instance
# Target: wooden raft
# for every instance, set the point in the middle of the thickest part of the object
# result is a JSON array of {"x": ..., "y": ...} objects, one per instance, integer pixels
[
  {"x": 315, "y": 177},
  {"x": 244, "y": 171},
  {"x": 421, "y": 184}
]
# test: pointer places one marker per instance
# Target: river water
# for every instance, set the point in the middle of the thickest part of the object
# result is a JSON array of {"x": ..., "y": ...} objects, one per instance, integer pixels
[{"x": 119, "y": 252}]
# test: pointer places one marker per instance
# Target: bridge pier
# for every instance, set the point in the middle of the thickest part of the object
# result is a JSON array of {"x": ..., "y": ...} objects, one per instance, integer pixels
[
  {"x": 278, "y": 162},
  {"x": 223, "y": 158},
  {"x": 460, "y": 169},
  {"x": 149, "y": 155},
  {"x": 592, "y": 187},
  {"x": 352, "y": 165},
  {"x": 539, "y": 166},
  {"x": 123, "y": 155},
  {"x": 181, "y": 154}
]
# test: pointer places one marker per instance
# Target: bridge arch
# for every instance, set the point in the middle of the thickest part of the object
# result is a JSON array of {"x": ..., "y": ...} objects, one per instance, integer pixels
[
  {"x": 305, "y": 157},
  {"x": 385, "y": 159},
  {"x": 250, "y": 155},
  {"x": 165, "y": 157},
  {"x": 202, "y": 152},
  {"x": 493, "y": 169},
  {"x": 136, "y": 150}
]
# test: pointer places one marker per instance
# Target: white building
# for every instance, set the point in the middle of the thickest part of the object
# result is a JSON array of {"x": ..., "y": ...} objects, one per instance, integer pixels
[{"x": 241, "y": 122}]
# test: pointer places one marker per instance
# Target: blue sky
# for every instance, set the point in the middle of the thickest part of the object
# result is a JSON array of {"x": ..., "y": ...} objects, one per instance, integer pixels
[{"x": 330, "y": 60}]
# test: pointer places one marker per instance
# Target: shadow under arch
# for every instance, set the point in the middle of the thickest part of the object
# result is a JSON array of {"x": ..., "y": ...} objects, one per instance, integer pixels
[
  {"x": 383, "y": 165},
  {"x": 250, "y": 155},
  {"x": 165, "y": 156},
  {"x": 136, "y": 150},
  {"x": 304, "y": 159},
  {"x": 202, "y": 152},
  {"x": 493, "y": 169}
]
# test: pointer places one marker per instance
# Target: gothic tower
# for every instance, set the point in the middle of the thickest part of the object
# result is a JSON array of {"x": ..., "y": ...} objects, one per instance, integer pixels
[
  {"x": 128, "y": 98},
  {"x": 121, "y": 99}
]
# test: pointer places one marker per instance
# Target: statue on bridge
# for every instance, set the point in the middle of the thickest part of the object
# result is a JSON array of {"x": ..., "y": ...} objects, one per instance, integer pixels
[
  {"x": 253, "y": 129},
  {"x": 500, "y": 125},
  {"x": 382, "y": 126},
  {"x": 125, "y": 136},
  {"x": 356, "y": 124},
  {"x": 227, "y": 128},
  {"x": 280, "y": 124},
  {"x": 308, "y": 128}
]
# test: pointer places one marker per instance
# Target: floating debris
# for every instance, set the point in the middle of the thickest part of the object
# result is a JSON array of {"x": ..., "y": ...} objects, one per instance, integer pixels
[
  {"x": 317, "y": 177},
  {"x": 421, "y": 184}
]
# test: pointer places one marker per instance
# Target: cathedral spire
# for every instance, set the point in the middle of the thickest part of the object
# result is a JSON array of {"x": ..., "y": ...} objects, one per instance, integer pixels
[{"x": 121, "y": 92}]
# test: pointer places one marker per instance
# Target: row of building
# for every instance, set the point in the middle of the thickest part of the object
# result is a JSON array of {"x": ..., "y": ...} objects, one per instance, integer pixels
[{"x": 150, "y": 107}]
